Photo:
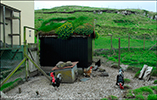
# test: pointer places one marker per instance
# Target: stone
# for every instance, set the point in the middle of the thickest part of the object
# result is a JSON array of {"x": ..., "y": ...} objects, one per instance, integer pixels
[
  {"x": 103, "y": 74},
  {"x": 124, "y": 67},
  {"x": 101, "y": 70}
]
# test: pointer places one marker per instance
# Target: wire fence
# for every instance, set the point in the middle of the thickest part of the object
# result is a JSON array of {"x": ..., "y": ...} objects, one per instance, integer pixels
[{"x": 134, "y": 50}]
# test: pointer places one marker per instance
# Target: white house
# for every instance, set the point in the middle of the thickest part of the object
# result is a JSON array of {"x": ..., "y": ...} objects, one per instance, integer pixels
[{"x": 16, "y": 15}]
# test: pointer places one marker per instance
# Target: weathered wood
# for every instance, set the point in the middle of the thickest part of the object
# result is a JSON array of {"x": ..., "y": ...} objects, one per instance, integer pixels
[
  {"x": 146, "y": 75},
  {"x": 153, "y": 46},
  {"x": 19, "y": 90},
  {"x": 12, "y": 72},
  {"x": 37, "y": 66},
  {"x": 142, "y": 71}
]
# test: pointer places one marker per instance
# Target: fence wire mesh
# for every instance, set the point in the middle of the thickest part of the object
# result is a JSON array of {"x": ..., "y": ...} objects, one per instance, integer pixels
[{"x": 135, "y": 50}]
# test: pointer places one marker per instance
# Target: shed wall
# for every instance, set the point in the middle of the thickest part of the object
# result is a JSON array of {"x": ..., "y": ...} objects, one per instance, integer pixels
[{"x": 53, "y": 50}]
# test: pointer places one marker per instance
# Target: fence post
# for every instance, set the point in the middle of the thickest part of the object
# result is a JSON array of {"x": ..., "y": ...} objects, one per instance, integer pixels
[
  {"x": 119, "y": 54},
  {"x": 129, "y": 42}
]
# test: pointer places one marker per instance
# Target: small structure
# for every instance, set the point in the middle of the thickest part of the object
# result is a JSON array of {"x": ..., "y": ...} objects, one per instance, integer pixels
[
  {"x": 69, "y": 73},
  {"x": 76, "y": 48}
]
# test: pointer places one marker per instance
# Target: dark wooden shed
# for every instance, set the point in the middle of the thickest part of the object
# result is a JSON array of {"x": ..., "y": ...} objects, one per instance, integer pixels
[{"x": 76, "y": 48}]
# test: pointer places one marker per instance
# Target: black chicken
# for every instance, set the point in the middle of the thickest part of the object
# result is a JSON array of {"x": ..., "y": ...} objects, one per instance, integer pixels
[
  {"x": 97, "y": 64},
  {"x": 56, "y": 81},
  {"x": 120, "y": 79}
]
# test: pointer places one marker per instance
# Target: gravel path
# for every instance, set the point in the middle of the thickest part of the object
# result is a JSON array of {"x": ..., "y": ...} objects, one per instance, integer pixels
[{"x": 95, "y": 88}]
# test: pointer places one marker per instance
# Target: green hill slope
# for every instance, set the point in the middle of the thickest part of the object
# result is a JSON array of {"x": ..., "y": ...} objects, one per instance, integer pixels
[{"x": 107, "y": 22}]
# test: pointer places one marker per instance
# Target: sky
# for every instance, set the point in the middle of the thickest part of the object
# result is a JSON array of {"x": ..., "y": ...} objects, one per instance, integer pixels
[{"x": 147, "y": 5}]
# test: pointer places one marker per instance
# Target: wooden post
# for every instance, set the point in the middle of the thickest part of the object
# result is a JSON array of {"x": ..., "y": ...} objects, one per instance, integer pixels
[
  {"x": 19, "y": 90},
  {"x": 119, "y": 54},
  {"x": 129, "y": 42}
]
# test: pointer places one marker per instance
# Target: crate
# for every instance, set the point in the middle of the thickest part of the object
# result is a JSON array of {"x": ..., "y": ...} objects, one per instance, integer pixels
[{"x": 68, "y": 74}]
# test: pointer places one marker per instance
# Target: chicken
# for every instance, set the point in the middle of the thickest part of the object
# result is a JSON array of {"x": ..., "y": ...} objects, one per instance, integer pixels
[
  {"x": 97, "y": 65},
  {"x": 56, "y": 81},
  {"x": 120, "y": 79},
  {"x": 88, "y": 71}
]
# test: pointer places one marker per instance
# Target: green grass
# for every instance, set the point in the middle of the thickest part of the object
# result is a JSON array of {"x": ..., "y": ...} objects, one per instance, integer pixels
[
  {"x": 9, "y": 84},
  {"x": 152, "y": 97},
  {"x": 155, "y": 82},
  {"x": 112, "y": 97},
  {"x": 140, "y": 97},
  {"x": 105, "y": 42},
  {"x": 126, "y": 80},
  {"x": 116, "y": 24},
  {"x": 142, "y": 93}
]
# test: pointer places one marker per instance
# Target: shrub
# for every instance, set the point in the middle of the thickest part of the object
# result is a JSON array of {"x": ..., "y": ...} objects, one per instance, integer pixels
[
  {"x": 126, "y": 80},
  {"x": 65, "y": 31},
  {"x": 96, "y": 35},
  {"x": 85, "y": 29},
  {"x": 155, "y": 82},
  {"x": 152, "y": 97}
]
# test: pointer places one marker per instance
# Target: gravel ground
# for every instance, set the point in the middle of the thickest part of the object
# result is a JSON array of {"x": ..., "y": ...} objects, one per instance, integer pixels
[{"x": 95, "y": 88}]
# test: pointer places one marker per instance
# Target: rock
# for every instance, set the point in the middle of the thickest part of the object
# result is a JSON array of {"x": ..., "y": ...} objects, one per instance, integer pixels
[
  {"x": 115, "y": 66},
  {"x": 104, "y": 74},
  {"x": 124, "y": 67},
  {"x": 101, "y": 70}
]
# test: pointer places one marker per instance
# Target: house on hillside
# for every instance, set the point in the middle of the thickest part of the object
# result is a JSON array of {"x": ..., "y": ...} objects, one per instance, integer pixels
[{"x": 14, "y": 15}]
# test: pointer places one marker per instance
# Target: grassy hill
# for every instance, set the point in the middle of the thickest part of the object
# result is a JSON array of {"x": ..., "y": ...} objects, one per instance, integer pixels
[{"x": 112, "y": 21}]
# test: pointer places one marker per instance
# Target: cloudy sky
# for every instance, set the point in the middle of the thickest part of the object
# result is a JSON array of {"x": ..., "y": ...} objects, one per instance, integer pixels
[{"x": 147, "y": 5}]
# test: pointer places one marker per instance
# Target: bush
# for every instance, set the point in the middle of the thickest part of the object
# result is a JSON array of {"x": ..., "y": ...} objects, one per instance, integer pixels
[
  {"x": 152, "y": 97},
  {"x": 85, "y": 29},
  {"x": 96, "y": 35},
  {"x": 65, "y": 31}
]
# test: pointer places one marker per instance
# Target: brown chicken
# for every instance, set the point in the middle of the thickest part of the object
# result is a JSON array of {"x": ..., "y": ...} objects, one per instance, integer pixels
[{"x": 87, "y": 72}]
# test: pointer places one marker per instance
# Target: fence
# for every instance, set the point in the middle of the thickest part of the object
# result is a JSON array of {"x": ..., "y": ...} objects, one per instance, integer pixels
[{"x": 134, "y": 50}]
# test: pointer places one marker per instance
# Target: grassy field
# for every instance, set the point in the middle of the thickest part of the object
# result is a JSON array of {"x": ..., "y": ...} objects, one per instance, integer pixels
[{"x": 104, "y": 42}]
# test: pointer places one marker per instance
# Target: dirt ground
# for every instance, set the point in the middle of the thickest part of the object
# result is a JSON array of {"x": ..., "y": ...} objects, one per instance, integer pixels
[{"x": 95, "y": 88}]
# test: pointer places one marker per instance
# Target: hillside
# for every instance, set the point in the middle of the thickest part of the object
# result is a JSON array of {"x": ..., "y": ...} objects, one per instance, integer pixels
[
  {"x": 121, "y": 23},
  {"x": 113, "y": 21}
]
